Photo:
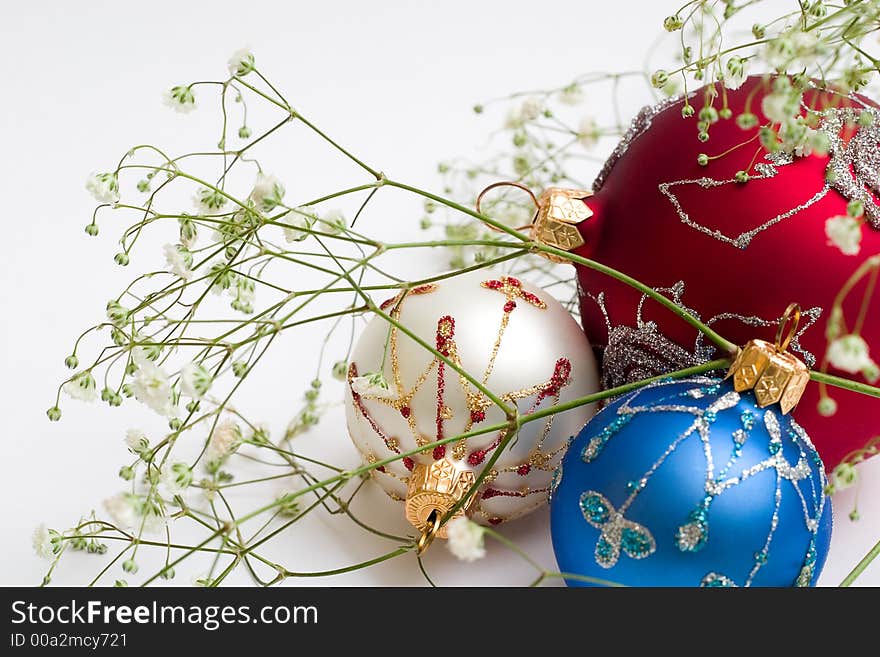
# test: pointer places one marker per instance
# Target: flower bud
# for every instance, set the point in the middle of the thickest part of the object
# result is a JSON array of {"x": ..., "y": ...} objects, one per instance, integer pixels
[
  {"x": 826, "y": 407},
  {"x": 659, "y": 79},
  {"x": 672, "y": 23},
  {"x": 340, "y": 370}
]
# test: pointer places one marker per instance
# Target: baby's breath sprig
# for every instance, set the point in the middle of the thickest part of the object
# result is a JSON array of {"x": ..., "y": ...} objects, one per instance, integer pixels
[{"x": 185, "y": 336}]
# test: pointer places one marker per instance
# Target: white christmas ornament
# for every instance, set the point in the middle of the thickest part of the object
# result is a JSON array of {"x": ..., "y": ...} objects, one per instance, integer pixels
[{"x": 520, "y": 343}]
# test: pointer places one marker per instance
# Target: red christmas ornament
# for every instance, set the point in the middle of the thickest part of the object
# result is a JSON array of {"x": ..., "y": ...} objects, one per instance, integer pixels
[{"x": 736, "y": 254}]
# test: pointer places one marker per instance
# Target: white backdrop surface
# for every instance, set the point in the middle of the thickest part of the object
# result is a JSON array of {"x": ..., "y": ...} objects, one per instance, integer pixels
[{"x": 394, "y": 81}]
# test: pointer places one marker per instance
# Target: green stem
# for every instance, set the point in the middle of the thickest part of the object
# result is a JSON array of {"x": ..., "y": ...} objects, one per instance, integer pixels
[
  {"x": 461, "y": 208},
  {"x": 873, "y": 553},
  {"x": 720, "y": 363},
  {"x": 726, "y": 345},
  {"x": 358, "y": 566},
  {"x": 847, "y": 384}
]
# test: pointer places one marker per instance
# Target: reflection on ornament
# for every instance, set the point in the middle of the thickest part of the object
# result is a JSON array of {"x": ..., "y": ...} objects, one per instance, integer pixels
[
  {"x": 687, "y": 483},
  {"x": 743, "y": 250},
  {"x": 515, "y": 340}
]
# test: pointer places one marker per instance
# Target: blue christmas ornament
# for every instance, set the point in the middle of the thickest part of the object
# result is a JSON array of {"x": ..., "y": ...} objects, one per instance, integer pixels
[{"x": 690, "y": 483}]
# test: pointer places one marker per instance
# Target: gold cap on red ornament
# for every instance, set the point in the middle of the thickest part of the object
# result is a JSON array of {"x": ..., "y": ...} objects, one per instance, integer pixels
[
  {"x": 560, "y": 210},
  {"x": 774, "y": 374}
]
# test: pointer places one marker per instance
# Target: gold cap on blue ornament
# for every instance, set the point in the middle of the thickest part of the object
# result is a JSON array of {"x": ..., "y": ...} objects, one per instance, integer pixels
[{"x": 774, "y": 374}]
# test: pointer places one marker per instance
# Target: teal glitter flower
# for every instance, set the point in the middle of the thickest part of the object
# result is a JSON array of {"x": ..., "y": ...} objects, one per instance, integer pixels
[{"x": 616, "y": 532}]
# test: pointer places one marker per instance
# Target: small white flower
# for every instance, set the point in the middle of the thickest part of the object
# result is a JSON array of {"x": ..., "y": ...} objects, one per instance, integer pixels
[
  {"x": 241, "y": 63},
  {"x": 224, "y": 440},
  {"x": 300, "y": 221},
  {"x": 180, "y": 99},
  {"x": 209, "y": 200},
  {"x": 843, "y": 476},
  {"x": 244, "y": 293},
  {"x": 150, "y": 349},
  {"x": 792, "y": 48},
  {"x": 518, "y": 116},
  {"x": 735, "y": 72},
  {"x": 333, "y": 222},
  {"x": 589, "y": 132},
  {"x": 371, "y": 384},
  {"x": 104, "y": 187},
  {"x": 514, "y": 119},
  {"x": 806, "y": 46},
  {"x": 47, "y": 542},
  {"x": 778, "y": 106},
  {"x": 82, "y": 387},
  {"x": 849, "y": 354},
  {"x": 531, "y": 109},
  {"x": 177, "y": 477},
  {"x": 780, "y": 51},
  {"x": 152, "y": 388},
  {"x": 465, "y": 539},
  {"x": 179, "y": 260},
  {"x": 845, "y": 233},
  {"x": 137, "y": 441},
  {"x": 267, "y": 193},
  {"x": 122, "y": 509},
  {"x": 571, "y": 95},
  {"x": 195, "y": 380}
]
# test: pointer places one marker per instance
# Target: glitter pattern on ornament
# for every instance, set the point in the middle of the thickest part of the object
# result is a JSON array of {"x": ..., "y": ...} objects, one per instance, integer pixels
[{"x": 517, "y": 341}]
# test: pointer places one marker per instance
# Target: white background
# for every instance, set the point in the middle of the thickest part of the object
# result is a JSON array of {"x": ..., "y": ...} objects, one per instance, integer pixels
[{"x": 393, "y": 80}]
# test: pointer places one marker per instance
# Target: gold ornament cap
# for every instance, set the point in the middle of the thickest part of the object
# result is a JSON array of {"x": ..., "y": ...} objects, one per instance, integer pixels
[
  {"x": 774, "y": 374},
  {"x": 433, "y": 490},
  {"x": 560, "y": 210}
]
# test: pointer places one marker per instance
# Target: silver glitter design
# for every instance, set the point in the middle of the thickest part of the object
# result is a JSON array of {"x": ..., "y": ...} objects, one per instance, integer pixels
[
  {"x": 640, "y": 352},
  {"x": 690, "y": 536},
  {"x": 855, "y": 166},
  {"x": 694, "y": 533},
  {"x": 554, "y": 482},
  {"x": 773, "y": 429},
  {"x": 616, "y": 532},
  {"x": 742, "y": 240},
  {"x": 853, "y": 170},
  {"x": 811, "y": 316},
  {"x": 637, "y": 127},
  {"x": 633, "y": 354},
  {"x": 717, "y": 579},
  {"x": 591, "y": 451}
]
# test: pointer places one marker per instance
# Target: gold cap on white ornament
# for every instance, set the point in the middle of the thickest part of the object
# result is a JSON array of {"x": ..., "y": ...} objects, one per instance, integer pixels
[{"x": 433, "y": 490}]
